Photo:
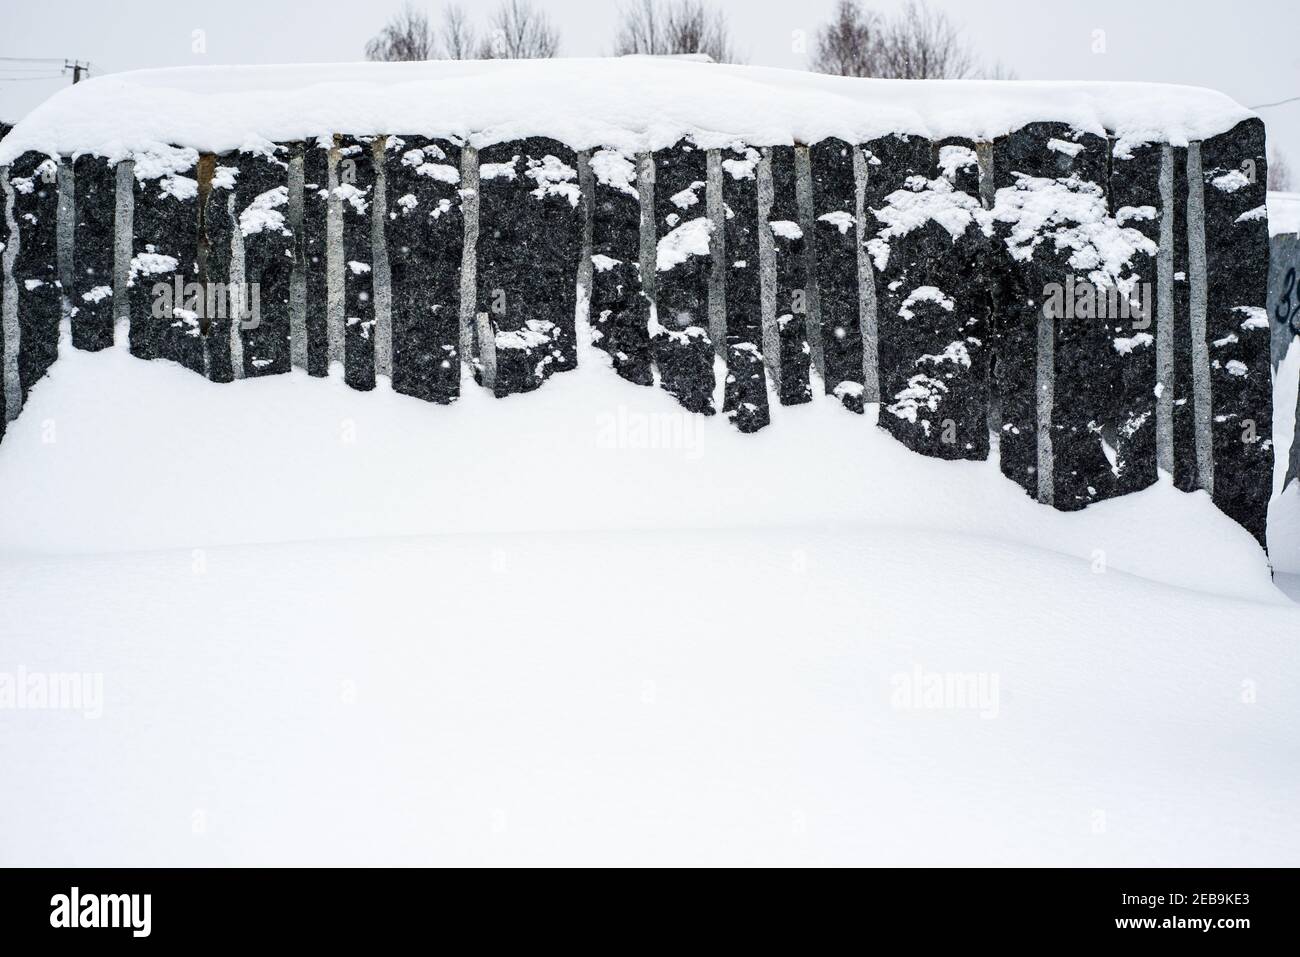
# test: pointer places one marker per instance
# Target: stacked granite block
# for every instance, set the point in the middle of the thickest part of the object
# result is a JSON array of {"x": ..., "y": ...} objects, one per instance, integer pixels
[
  {"x": 682, "y": 348},
  {"x": 91, "y": 294},
  {"x": 530, "y": 225},
  {"x": 1234, "y": 169},
  {"x": 165, "y": 300},
  {"x": 834, "y": 204},
  {"x": 745, "y": 392},
  {"x": 424, "y": 236},
  {"x": 261, "y": 207},
  {"x": 929, "y": 254},
  {"x": 354, "y": 193},
  {"x": 789, "y": 279},
  {"x": 315, "y": 216},
  {"x": 620, "y": 310},
  {"x": 33, "y": 179},
  {"x": 216, "y": 243}
]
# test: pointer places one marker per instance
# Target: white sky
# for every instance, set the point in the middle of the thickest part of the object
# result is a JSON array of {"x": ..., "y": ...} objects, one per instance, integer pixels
[{"x": 1249, "y": 49}]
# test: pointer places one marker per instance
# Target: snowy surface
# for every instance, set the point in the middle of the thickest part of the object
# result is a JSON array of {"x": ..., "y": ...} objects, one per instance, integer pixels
[
  {"x": 1283, "y": 213},
  {"x": 624, "y": 102},
  {"x": 342, "y": 627}
]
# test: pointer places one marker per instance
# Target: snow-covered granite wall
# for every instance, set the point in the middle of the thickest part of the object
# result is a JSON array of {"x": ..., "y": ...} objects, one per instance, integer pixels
[{"x": 1087, "y": 308}]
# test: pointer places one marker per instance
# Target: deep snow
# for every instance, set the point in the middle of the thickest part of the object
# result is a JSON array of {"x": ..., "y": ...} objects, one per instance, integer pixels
[
  {"x": 504, "y": 632},
  {"x": 633, "y": 103}
]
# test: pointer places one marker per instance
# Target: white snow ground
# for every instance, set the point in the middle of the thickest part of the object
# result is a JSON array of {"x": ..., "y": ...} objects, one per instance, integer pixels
[{"x": 336, "y": 627}]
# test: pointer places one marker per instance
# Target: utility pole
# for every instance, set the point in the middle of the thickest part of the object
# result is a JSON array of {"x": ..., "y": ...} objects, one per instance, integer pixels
[{"x": 76, "y": 66}]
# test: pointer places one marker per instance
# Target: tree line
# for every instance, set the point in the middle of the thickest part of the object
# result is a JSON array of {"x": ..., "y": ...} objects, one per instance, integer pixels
[{"x": 917, "y": 42}]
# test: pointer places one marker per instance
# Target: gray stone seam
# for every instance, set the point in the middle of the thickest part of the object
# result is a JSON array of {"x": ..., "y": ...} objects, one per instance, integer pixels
[
  {"x": 383, "y": 284},
  {"x": 867, "y": 319},
  {"x": 1197, "y": 301},
  {"x": 1165, "y": 317},
  {"x": 469, "y": 187},
  {"x": 585, "y": 277},
  {"x": 808, "y": 226},
  {"x": 1046, "y": 394},
  {"x": 12, "y": 333},
  {"x": 716, "y": 210},
  {"x": 335, "y": 321},
  {"x": 648, "y": 253},
  {"x": 123, "y": 241},
  {"x": 767, "y": 270},
  {"x": 238, "y": 286},
  {"x": 66, "y": 225},
  {"x": 298, "y": 274}
]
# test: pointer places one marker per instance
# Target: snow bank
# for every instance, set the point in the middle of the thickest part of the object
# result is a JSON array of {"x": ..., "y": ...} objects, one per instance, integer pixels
[
  {"x": 632, "y": 103},
  {"x": 1283, "y": 213},
  {"x": 289, "y": 458}
]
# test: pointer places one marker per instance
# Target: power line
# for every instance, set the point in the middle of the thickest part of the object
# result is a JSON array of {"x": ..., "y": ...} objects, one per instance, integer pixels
[
  {"x": 33, "y": 59},
  {"x": 1264, "y": 106},
  {"x": 28, "y": 79}
]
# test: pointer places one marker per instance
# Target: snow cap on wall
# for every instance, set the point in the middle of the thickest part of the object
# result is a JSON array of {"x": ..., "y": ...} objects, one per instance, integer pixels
[{"x": 634, "y": 103}]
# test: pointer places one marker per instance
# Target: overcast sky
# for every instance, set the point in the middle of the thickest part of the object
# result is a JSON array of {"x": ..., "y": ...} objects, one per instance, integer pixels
[{"x": 1249, "y": 49}]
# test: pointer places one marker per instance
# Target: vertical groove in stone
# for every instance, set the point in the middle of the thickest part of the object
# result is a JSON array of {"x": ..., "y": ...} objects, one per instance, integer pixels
[
  {"x": 298, "y": 276},
  {"x": 65, "y": 236},
  {"x": 1165, "y": 317},
  {"x": 866, "y": 285},
  {"x": 1046, "y": 376},
  {"x": 123, "y": 240},
  {"x": 382, "y": 275},
  {"x": 767, "y": 271},
  {"x": 649, "y": 252},
  {"x": 1196, "y": 269},
  {"x": 807, "y": 223},
  {"x": 487, "y": 350},
  {"x": 469, "y": 257},
  {"x": 203, "y": 250},
  {"x": 984, "y": 156},
  {"x": 12, "y": 383},
  {"x": 717, "y": 213},
  {"x": 587, "y": 186},
  {"x": 334, "y": 307},
  {"x": 238, "y": 287}
]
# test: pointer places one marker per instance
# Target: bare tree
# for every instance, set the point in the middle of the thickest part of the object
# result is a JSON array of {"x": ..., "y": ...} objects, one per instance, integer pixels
[
  {"x": 918, "y": 43},
  {"x": 407, "y": 36},
  {"x": 519, "y": 31},
  {"x": 922, "y": 44},
  {"x": 674, "y": 27},
  {"x": 850, "y": 44},
  {"x": 1279, "y": 173},
  {"x": 458, "y": 42}
]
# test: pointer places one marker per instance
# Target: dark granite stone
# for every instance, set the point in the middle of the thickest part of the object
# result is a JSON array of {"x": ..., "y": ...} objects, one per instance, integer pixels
[
  {"x": 261, "y": 204},
  {"x": 791, "y": 280},
  {"x": 932, "y": 319},
  {"x": 1131, "y": 429},
  {"x": 4, "y": 242},
  {"x": 425, "y": 236},
  {"x": 315, "y": 205},
  {"x": 34, "y": 179},
  {"x": 217, "y": 178},
  {"x": 1283, "y": 292},
  {"x": 164, "y": 268},
  {"x": 92, "y": 272},
  {"x": 620, "y": 312},
  {"x": 356, "y": 189},
  {"x": 530, "y": 232},
  {"x": 1185, "y": 471},
  {"x": 1053, "y": 156},
  {"x": 1237, "y": 327},
  {"x": 683, "y": 351},
  {"x": 834, "y": 203},
  {"x": 745, "y": 395}
]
